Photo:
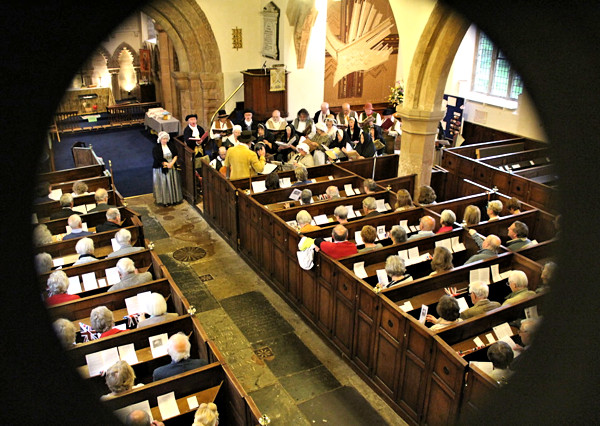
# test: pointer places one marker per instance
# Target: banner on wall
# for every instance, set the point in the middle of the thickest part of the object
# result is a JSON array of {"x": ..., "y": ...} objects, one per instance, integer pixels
[{"x": 452, "y": 121}]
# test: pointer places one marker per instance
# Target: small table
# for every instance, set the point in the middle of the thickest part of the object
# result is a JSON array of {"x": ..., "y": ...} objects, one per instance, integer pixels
[{"x": 171, "y": 125}]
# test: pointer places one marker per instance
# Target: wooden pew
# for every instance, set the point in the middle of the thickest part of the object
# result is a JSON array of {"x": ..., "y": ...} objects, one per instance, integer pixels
[
  {"x": 377, "y": 168},
  {"x": 541, "y": 253},
  {"x": 397, "y": 183},
  {"x": 58, "y": 226},
  {"x": 515, "y": 157},
  {"x": 93, "y": 183},
  {"x": 44, "y": 210},
  {"x": 71, "y": 175},
  {"x": 531, "y": 218}
]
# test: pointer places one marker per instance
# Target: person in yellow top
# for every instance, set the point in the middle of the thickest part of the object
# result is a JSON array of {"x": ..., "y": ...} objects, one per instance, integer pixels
[{"x": 241, "y": 161}]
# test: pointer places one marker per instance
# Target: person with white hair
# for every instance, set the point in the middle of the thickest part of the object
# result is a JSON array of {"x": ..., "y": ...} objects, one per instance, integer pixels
[
  {"x": 65, "y": 331},
  {"x": 320, "y": 140},
  {"x": 79, "y": 188},
  {"x": 166, "y": 179},
  {"x": 396, "y": 270},
  {"x": 321, "y": 114},
  {"x": 85, "y": 250},
  {"x": 156, "y": 307},
  {"x": 369, "y": 207},
  {"x": 66, "y": 207},
  {"x": 120, "y": 377},
  {"x": 113, "y": 221},
  {"x": 101, "y": 197},
  {"x": 302, "y": 157},
  {"x": 58, "y": 284},
  {"x": 206, "y": 415},
  {"x": 517, "y": 281},
  {"x": 479, "y": 292},
  {"x": 447, "y": 219},
  {"x": 129, "y": 275},
  {"x": 103, "y": 321},
  {"x": 178, "y": 348},
  {"x": 123, "y": 237},
  {"x": 304, "y": 220},
  {"x": 276, "y": 123},
  {"x": 41, "y": 235},
  {"x": 332, "y": 192},
  {"x": 43, "y": 263},
  {"x": 341, "y": 214},
  {"x": 234, "y": 138},
  {"x": 76, "y": 225}
]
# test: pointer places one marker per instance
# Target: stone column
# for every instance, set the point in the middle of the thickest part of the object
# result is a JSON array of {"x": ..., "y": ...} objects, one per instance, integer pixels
[
  {"x": 419, "y": 130},
  {"x": 168, "y": 94},
  {"x": 114, "y": 83}
]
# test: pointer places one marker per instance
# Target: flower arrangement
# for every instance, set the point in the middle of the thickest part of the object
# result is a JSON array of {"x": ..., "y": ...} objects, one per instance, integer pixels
[{"x": 396, "y": 94}]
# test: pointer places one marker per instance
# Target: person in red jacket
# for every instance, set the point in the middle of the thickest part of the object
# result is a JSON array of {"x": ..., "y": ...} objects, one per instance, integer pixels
[
  {"x": 340, "y": 247},
  {"x": 58, "y": 284}
]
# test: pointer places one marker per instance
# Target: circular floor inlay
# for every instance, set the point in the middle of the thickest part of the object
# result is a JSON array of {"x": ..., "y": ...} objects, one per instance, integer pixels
[
  {"x": 189, "y": 254},
  {"x": 168, "y": 217}
]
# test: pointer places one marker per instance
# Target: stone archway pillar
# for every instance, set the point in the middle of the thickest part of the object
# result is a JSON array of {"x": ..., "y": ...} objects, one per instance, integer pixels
[
  {"x": 114, "y": 83},
  {"x": 419, "y": 129}
]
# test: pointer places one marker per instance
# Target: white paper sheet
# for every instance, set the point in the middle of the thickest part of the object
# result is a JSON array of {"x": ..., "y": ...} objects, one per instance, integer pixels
[
  {"x": 269, "y": 167},
  {"x": 510, "y": 342},
  {"x": 330, "y": 177},
  {"x": 133, "y": 305},
  {"x": 357, "y": 213},
  {"x": 444, "y": 243},
  {"x": 348, "y": 189},
  {"x": 462, "y": 304},
  {"x": 127, "y": 353},
  {"x": 59, "y": 261},
  {"x": 413, "y": 228},
  {"x": 89, "y": 281},
  {"x": 356, "y": 191},
  {"x": 423, "y": 314},
  {"x": 158, "y": 345},
  {"x": 102, "y": 282},
  {"x": 358, "y": 239},
  {"x": 74, "y": 285},
  {"x": 485, "y": 366},
  {"x": 490, "y": 338},
  {"x": 313, "y": 180},
  {"x": 478, "y": 342},
  {"x": 121, "y": 327},
  {"x": 380, "y": 205},
  {"x": 167, "y": 405},
  {"x": 84, "y": 226},
  {"x": 143, "y": 300},
  {"x": 321, "y": 219},
  {"x": 79, "y": 209},
  {"x": 115, "y": 245},
  {"x": 359, "y": 270},
  {"x": 481, "y": 274},
  {"x": 382, "y": 277},
  {"x": 531, "y": 312},
  {"x": 381, "y": 234},
  {"x": 351, "y": 214},
  {"x": 258, "y": 186},
  {"x": 295, "y": 195},
  {"x": 55, "y": 194},
  {"x": 502, "y": 330},
  {"x": 68, "y": 229},
  {"x": 112, "y": 275},
  {"x": 292, "y": 223},
  {"x": 328, "y": 239},
  {"x": 192, "y": 402},
  {"x": 457, "y": 245},
  {"x": 404, "y": 225},
  {"x": 89, "y": 207},
  {"x": 285, "y": 182},
  {"x": 407, "y": 306},
  {"x": 388, "y": 207},
  {"x": 98, "y": 362},
  {"x": 403, "y": 254},
  {"x": 413, "y": 252}
]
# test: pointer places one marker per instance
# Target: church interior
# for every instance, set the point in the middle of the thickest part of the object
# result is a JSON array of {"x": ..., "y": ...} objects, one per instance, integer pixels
[{"x": 337, "y": 341}]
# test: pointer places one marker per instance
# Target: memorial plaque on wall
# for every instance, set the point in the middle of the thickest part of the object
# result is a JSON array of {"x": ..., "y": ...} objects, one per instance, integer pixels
[{"x": 270, "y": 31}]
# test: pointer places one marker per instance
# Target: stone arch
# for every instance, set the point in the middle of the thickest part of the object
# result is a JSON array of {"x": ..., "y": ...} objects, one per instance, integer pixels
[
  {"x": 199, "y": 81},
  {"x": 113, "y": 62},
  {"x": 421, "y": 110},
  {"x": 101, "y": 50}
]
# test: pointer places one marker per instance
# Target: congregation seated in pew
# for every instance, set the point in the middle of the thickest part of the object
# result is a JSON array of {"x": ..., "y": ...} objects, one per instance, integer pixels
[
  {"x": 79, "y": 188},
  {"x": 101, "y": 197},
  {"x": 501, "y": 356},
  {"x": 341, "y": 214},
  {"x": 206, "y": 415},
  {"x": 339, "y": 246},
  {"x": 332, "y": 192},
  {"x": 113, "y": 221},
  {"x": 518, "y": 233},
  {"x": 306, "y": 197},
  {"x": 397, "y": 234},
  {"x": 301, "y": 176},
  {"x": 494, "y": 208},
  {"x": 369, "y": 206},
  {"x": 156, "y": 308},
  {"x": 129, "y": 275},
  {"x": 178, "y": 348},
  {"x": 441, "y": 261},
  {"x": 85, "y": 250},
  {"x": 426, "y": 196},
  {"x": 449, "y": 312},
  {"x": 396, "y": 270},
  {"x": 123, "y": 237},
  {"x": 65, "y": 331},
  {"x": 513, "y": 206},
  {"x": 66, "y": 207},
  {"x": 471, "y": 216},
  {"x": 479, "y": 292},
  {"x": 58, "y": 283},
  {"x": 120, "y": 378},
  {"x": 403, "y": 200},
  {"x": 304, "y": 221},
  {"x": 42, "y": 193},
  {"x": 426, "y": 227},
  {"x": 368, "y": 234},
  {"x": 518, "y": 282},
  {"x": 447, "y": 220},
  {"x": 488, "y": 247},
  {"x": 272, "y": 181},
  {"x": 43, "y": 263},
  {"x": 527, "y": 330},
  {"x": 103, "y": 322},
  {"x": 370, "y": 186},
  {"x": 548, "y": 272},
  {"x": 76, "y": 226}
]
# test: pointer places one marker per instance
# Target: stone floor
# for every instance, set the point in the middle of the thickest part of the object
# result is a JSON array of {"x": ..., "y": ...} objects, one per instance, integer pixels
[{"x": 291, "y": 374}]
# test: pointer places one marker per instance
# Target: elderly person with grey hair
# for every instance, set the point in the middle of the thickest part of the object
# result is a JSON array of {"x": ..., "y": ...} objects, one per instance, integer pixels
[
  {"x": 447, "y": 219},
  {"x": 129, "y": 275},
  {"x": 113, "y": 221},
  {"x": 517, "y": 281},
  {"x": 79, "y": 188},
  {"x": 120, "y": 377},
  {"x": 332, "y": 192},
  {"x": 449, "y": 312},
  {"x": 369, "y": 206},
  {"x": 101, "y": 197},
  {"x": 341, "y": 214},
  {"x": 178, "y": 349},
  {"x": 156, "y": 307},
  {"x": 102, "y": 321},
  {"x": 43, "y": 263},
  {"x": 479, "y": 297},
  {"x": 77, "y": 230},
  {"x": 66, "y": 207},
  {"x": 304, "y": 220},
  {"x": 85, "y": 250},
  {"x": 306, "y": 196},
  {"x": 123, "y": 237},
  {"x": 369, "y": 186},
  {"x": 396, "y": 270},
  {"x": 501, "y": 355},
  {"x": 301, "y": 176},
  {"x": 494, "y": 208},
  {"x": 65, "y": 331},
  {"x": 397, "y": 234},
  {"x": 41, "y": 235},
  {"x": 166, "y": 179},
  {"x": 58, "y": 284}
]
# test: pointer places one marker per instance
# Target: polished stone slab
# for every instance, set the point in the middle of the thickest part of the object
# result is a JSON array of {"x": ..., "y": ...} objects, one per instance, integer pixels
[
  {"x": 290, "y": 355},
  {"x": 308, "y": 384}
]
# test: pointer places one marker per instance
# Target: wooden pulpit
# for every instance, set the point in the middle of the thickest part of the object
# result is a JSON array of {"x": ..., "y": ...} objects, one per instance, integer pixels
[{"x": 258, "y": 96}]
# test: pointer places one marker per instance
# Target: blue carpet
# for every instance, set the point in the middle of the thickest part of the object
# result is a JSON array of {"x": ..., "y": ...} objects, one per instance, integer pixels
[{"x": 130, "y": 151}]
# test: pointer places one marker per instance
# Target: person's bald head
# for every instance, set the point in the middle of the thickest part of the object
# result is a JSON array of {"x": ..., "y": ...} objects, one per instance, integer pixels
[
  {"x": 276, "y": 115},
  {"x": 346, "y": 108},
  {"x": 324, "y": 107},
  {"x": 138, "y": 418},
  {"x": 222, "y": 152},
  {"x": 427, "y": 223},
  {"x": 492, "y": 242},
  {"x": 340, "y": 233}
]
